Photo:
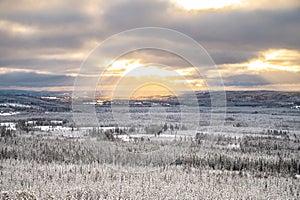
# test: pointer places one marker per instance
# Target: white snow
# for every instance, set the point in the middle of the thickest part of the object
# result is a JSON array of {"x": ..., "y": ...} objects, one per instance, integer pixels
[
  {"x": 17, "y": 105},
  {"x": 56, "y": 122},
  {"x": 8, "y": 113},
  {"x": 233, "y": 146},
  {"x": 49, "y": 97},
  {"x": 125, "y": 138},
  {"x": 9, "y": 125},
  {"x": 53, "y": 128},
  {"x": 295, "y": 107},
  {"x": 31, "y": 122}
]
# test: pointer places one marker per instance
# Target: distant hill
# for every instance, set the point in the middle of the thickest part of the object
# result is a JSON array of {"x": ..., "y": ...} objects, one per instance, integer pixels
[
  {"x": 50, "y": 100},
  {"x": 33, "y": 93},
  {"x": 35, "y": 100}
]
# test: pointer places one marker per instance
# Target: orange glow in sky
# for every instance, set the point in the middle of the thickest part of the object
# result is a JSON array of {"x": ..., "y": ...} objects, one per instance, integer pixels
[{"x": 207, "y": 4}]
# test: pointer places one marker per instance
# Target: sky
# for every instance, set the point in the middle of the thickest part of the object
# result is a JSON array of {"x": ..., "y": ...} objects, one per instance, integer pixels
[{"x": 255, "y": 45}]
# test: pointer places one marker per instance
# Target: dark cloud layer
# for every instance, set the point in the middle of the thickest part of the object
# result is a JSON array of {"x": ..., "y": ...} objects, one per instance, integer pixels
[
  {"x": 34, "y": 80},
  {"x": 263, "y": 78},
  {"x": 245, "y": 80}
]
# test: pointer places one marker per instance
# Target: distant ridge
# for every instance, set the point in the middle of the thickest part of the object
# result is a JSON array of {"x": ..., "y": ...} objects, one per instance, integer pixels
[
  {"x": 33, "y": 92},
  {"x": 234, "y": 98}
]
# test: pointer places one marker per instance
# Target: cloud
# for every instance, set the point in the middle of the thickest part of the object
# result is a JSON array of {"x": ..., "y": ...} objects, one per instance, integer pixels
[
  {"x": 55, "y": 37},
  {"x": 199, "y": 5},
  {"x": 245, "y": 80},
  {"x": 34, "y": 80},
  {"x": 281, "y": 77},
  {"x": 265, "y": 80}
]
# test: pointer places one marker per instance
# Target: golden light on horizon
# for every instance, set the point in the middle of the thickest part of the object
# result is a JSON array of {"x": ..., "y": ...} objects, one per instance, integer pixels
[
  {"x": 124, "y": 76},
  {"x": 276, "y": 59},
  {"x": 136, "y": 68},
  {"x": 151, "y": 90},
  {"x": 207, "y": 4}
]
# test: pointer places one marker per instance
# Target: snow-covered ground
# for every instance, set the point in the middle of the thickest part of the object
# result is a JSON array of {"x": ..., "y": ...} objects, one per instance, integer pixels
[
  {"x": 56, "y": 122},
  {"x": 133, "y": 137},
  {"x": 233, "y": 146},
  {"x": 16, "y": 105},
  {"x": 8, "y": 113},
  {"x": 295, "y": 107},
  {"x": 52, "y": 128},
  {"x": 49, "y": 97},
  {"x": 9, "y": 125}
]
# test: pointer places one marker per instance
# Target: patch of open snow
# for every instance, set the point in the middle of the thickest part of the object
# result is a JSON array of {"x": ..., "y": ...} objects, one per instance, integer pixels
[
  {"x": 295, "y": 107},
  {"x": 53, "y": 128},
  {"x": 17, "y": 105},
  {"x": 233, "y": 146},
  {"x": 56, "y": 122},
  {"x": 49, "y": 97},
  {"x": 9, "y": 125},
  {"x": 125, "y": 138},
  {"x": 31, "y": 122},
  {"x": 8, "y": 113}
]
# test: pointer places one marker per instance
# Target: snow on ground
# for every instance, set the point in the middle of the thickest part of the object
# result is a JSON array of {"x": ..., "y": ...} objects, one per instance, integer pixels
[
  {"x": 49, "y": 97},
  {"x": 8, "y": 113},
  {"x": 53, "y": 128},
  {"x": 56, "y": 122},
  {"x": 295, "y": 107},
  {"x": 133, "y": 137},
  {"x": 31, "y": 122},
  {"x": 60, "y": 133},
  {"x": 16, "y": 105},
  {"x": 125, "y": 138},
  {"x": 234, "y": 146},
  {"x": 9, "y": 125}
]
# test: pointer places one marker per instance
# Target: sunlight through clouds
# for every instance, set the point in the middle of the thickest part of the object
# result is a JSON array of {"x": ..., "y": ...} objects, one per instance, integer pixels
[
  {"x": 277, "y": 59},
  {"x": 246, "y": 37},
  {"x": 121, "y": 67},
  {"x": 126, "y": 74},
  {"x": 16, "y": 28},
  {"x": 204, "y": 4},
  {"x": 193, "y": 5}
]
